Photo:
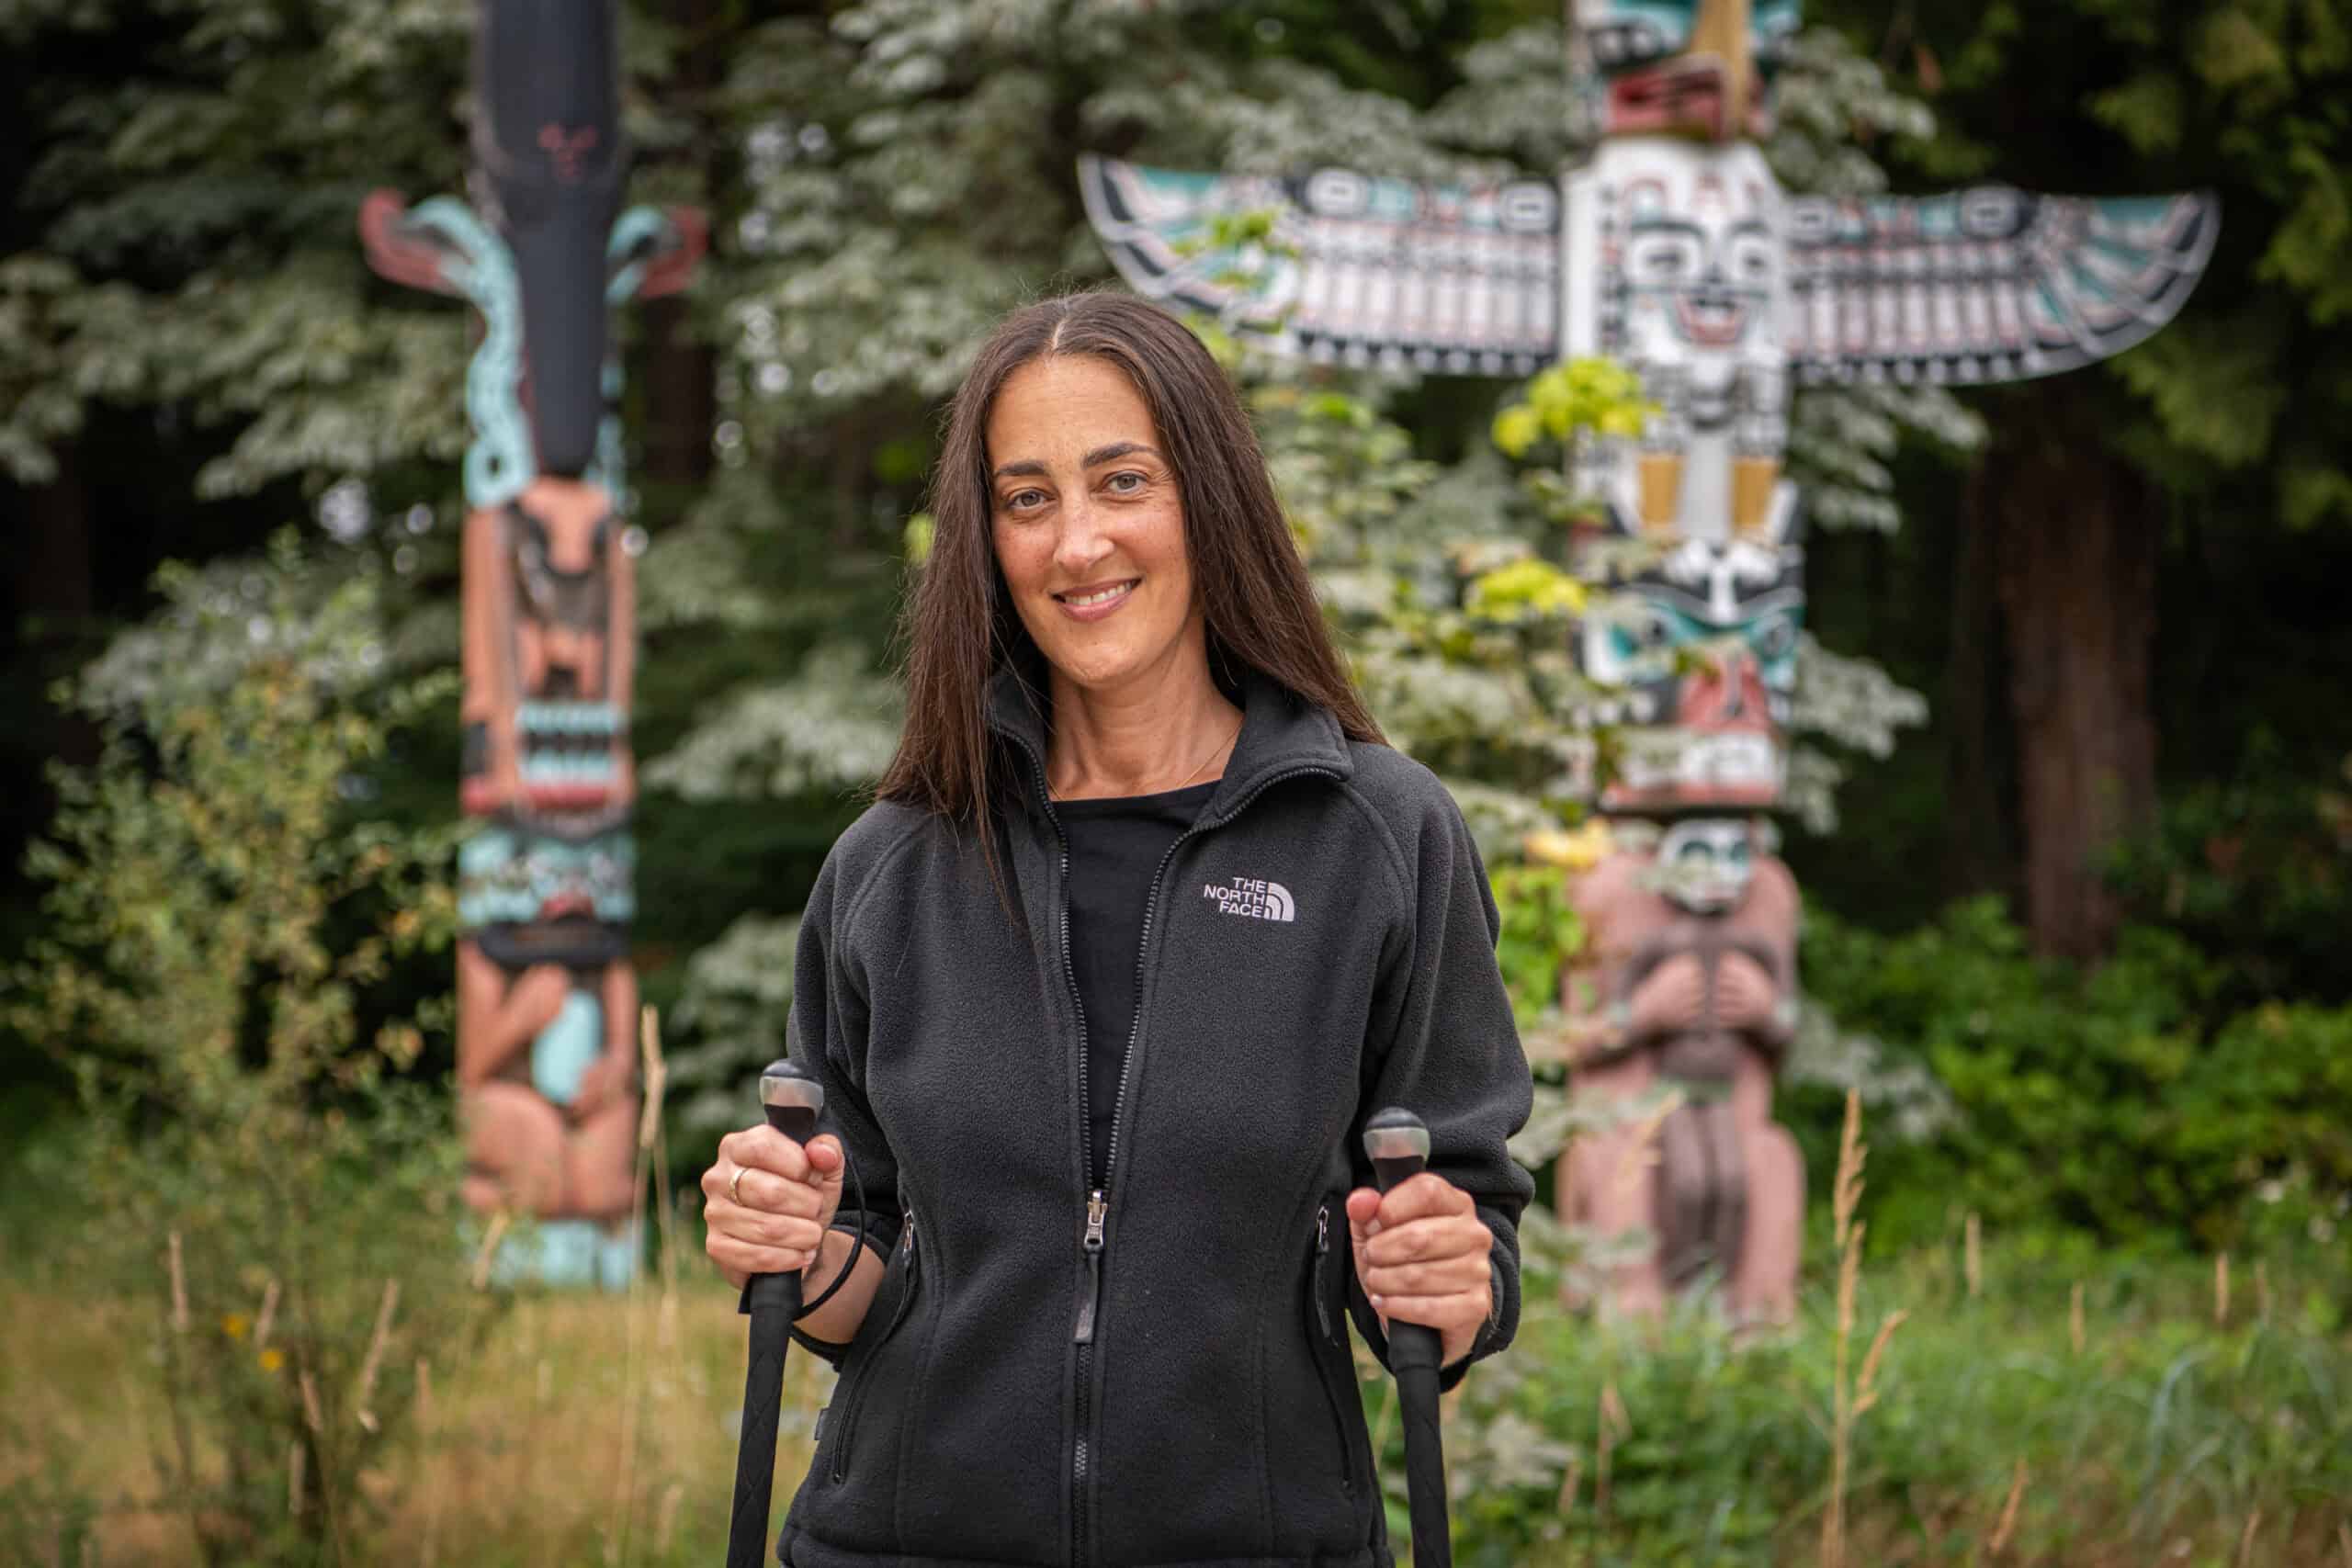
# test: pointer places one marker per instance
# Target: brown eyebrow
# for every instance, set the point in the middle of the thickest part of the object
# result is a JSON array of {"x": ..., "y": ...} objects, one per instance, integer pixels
[{"x": 1030, "y": 468}]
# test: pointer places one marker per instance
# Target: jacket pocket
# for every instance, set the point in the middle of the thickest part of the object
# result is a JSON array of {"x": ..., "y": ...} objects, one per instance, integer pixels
[
  {"x": 1326, "y": 1330},
  {"x": 907, "y": 1263}
]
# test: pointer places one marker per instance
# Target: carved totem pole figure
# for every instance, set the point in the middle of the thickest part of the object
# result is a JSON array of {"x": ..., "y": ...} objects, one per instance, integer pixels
[
  {"x": 1670, "y": 248},
  {"x": 547, "y": 997}
]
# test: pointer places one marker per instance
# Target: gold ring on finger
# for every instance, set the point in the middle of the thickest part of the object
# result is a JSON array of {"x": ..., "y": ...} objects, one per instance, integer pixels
[{"x": 735, "y": 1186}]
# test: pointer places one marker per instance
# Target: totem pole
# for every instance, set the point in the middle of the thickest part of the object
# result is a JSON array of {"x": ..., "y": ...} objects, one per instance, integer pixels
[
  {"x": 1670, "y": 248},
  {"x": 547, "y": 997}
]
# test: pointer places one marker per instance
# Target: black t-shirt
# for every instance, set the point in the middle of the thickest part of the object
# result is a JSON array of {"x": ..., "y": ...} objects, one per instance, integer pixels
[{"x": 1116, "y": 847}]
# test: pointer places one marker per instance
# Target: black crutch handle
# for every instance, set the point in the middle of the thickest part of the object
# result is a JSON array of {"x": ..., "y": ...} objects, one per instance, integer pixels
[
  {"x": 1399, "y": 1147},
  {"x": 791, "y": 1100}
]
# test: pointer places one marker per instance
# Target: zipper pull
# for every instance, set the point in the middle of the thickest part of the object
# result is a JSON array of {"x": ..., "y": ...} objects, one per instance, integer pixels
[
  {"x": 1095, "y": 1208},
  {"x": 1315, "y": 1285},
  {"x": 909, "y": 1241}
]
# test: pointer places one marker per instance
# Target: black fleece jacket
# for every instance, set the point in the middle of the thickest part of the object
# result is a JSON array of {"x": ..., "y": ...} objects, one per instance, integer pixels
[{"x": 1160, "y": 1378}]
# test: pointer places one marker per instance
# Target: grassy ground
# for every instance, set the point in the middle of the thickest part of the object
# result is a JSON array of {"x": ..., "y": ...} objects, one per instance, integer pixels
[
  {"x": 2037, "y": 1406},
  {"x": 595, "y": 1431}
]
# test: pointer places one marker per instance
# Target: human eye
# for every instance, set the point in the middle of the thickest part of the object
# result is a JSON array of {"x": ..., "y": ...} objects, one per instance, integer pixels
[
  {"x": 1127, "y": 482},
  {"x": 1024, "y": 500}
]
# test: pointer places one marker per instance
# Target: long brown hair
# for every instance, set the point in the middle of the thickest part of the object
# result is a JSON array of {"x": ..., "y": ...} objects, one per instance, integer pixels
[{"x": 961, "y": 626}]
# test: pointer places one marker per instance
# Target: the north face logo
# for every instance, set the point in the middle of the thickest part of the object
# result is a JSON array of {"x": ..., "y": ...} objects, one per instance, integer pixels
[{"x": 1253, "y": 898}]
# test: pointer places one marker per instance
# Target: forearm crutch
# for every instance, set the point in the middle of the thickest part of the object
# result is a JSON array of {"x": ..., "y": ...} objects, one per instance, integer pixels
[
  {"x": 1398, "y": 1145},
  {"x": 790, "y": 1100}
]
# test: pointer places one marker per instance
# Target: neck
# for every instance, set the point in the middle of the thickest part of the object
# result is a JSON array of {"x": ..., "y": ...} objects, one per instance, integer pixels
[{"x": 1163, "y": 729}]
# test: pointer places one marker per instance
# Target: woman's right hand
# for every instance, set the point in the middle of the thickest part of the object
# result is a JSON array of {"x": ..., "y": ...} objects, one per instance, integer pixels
[{"x": 772, "y": 1218}]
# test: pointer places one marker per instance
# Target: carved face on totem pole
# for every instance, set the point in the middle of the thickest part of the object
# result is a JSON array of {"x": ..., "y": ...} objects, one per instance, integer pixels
[
  {"x": 1705, "y": 863},
  {"x": 1698, "y": 638},
  {"x": 1689, "y": 290}
]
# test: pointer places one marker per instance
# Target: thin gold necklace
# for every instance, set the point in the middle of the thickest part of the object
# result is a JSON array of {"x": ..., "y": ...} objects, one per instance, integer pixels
[{"x": 1205, "y": 761}]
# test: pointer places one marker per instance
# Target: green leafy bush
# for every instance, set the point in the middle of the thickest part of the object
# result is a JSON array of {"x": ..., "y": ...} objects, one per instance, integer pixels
[
  {"x": 2123, "y": 1103},
  {"x": 253, "y": 1170}
]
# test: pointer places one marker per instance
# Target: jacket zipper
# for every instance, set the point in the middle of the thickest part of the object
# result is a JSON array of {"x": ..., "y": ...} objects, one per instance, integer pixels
[
  {"x": 1095, "y": 1242},
  {"x": 898, "y": 1316},
  {"x": 1323, "y": 1323}
]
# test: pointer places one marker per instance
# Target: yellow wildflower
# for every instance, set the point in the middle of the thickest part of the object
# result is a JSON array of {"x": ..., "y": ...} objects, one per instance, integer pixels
[
  {"x": 235, "y": 1324},
  {"x": 272, "y": 1360},
  {"x": 1578, "y": 851}
]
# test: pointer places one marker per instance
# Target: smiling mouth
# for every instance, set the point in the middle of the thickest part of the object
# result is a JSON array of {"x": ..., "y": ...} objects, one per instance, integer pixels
[
  {"x": 1086, "y": 599},
  {"x": 1712, "y": 318}
]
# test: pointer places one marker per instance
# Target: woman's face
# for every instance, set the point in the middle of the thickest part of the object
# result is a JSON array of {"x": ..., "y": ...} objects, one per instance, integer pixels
[{"x": 1088, "y": 524}]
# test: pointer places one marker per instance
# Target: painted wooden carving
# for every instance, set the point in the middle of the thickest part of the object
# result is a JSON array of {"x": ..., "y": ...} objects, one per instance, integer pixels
[
  {"x": 1672, "y": 249},
  {"x": 547, "y": 997}
]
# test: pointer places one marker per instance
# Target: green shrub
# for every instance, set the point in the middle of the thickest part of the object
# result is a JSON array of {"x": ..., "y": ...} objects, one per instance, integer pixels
[
  {"x": 2126, "y": 1102},
  {"x": 252, "y": 1169}
]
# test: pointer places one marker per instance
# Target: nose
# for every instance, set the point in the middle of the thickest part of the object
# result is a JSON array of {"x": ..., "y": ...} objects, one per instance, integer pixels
[{"x": 1083, "y": 541}]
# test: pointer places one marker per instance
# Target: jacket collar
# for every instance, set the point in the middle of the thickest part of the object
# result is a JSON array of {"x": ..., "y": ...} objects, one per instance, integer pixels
[{"x": 1281, "y": 733}]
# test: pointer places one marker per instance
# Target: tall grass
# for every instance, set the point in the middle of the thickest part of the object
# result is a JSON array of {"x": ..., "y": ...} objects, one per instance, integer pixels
[{"x": 2031, "y": 1412}]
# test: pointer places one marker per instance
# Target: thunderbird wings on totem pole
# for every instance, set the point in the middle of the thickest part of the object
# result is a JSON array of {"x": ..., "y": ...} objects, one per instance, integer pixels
[
  {"x": 1670, "y": 248},
  {"x": 546, "y": 995}
]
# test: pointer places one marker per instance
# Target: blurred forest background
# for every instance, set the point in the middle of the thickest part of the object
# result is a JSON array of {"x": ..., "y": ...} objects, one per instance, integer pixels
[{"x": 2075, "y": 921}]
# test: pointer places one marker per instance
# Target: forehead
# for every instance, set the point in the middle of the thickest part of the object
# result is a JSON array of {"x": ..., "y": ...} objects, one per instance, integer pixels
[{"x": 1076, "y": 401}]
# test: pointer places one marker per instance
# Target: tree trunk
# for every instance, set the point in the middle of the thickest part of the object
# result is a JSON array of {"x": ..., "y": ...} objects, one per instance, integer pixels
[
  {"x": 2075, "y": 559},
  {"x": 1980, "y": 828},
  {"x": 680, "y": 405},
  {"x": 53, "y": 585}
]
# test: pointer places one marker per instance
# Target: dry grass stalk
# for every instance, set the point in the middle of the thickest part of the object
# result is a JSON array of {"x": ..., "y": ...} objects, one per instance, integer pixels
[
  {"x": 491, "y": 1236},
  {"x": 374, "y": 1358},
  {"x": 1641, "y": 1154},
  {"x": 1973, "y": 1258},
  {"x": 1570, "y": 1480},
  {"x": 1866, "y": 1387},
  {"x": 2245, "y": 1538},
  {"x": 2075, "y": 1332},
  {"x": 2262, "y": 1291},
  {"x": 653, "y": 1137},
  {"x": 648, "y": 1041},
  {"x": 425, "y": 1432},
  {"x": 617, "y": 1533},
  {"x": 1616, "y": 1427},
  {"x": 2008, "y": 1522},
  {"x": 294, "y": 1452},
  {"x": 1846, "y": 1196},
  {"x": 266, "y": 1318},
  {"x": 2344, "y": 1540},
  {"x": 179, "y": 1287},
  {"x": 2221, "y": 1289},
  {"x": 665, "y": 1518},
  {"x": 310, "y": 1401}
]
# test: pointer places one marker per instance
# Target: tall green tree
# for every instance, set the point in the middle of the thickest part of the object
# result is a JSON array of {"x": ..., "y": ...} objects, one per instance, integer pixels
[{"x": 2204, "y": 444}]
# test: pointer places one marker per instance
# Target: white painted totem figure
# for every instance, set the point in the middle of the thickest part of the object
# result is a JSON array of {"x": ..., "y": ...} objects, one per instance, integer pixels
[{"x": 1671, "y": 249}]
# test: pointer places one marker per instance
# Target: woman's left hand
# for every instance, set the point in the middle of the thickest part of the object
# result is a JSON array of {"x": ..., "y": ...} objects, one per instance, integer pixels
[{"x": 1420, "y": 1253}]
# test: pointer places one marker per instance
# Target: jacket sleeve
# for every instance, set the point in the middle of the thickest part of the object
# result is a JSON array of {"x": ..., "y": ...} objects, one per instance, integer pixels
[
  {"x": 825, "y": 1032},
  {"x": 1443, "y": 1045}
]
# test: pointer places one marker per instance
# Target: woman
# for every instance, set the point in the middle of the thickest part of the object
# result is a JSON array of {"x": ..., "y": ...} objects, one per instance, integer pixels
[{"x": 1145, "y": 922}]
